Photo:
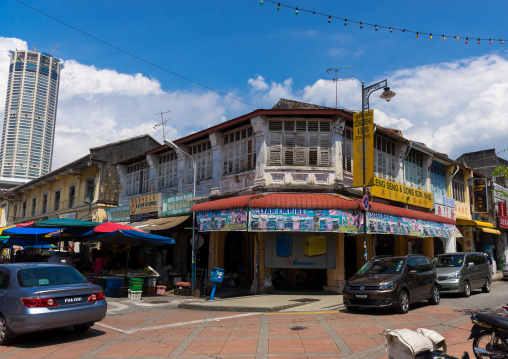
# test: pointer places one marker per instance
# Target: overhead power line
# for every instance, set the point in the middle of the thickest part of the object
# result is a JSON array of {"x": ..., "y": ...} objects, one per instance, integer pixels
[{"x": 136, "y": 56}]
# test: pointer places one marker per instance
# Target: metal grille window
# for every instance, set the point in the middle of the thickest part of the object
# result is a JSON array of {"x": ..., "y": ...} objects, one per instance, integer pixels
[
  {"x": 385, "y": 162},
  {"x": 203, "y": 155},
  {"x": 239, "y": 150},
  {"x": 57, "y": 200},
  {"x": 138, "y": 178},
  {"x": 23, "y": 209},
  {"x": 168, "y": 170},
  {"x": 438, "y": 178},
  {"x": 34, "y": 205},
  {"x": 459, "y": 193},
  {"x": 347, "y": 150},
  {"x": 300, "y": 143},
  {"x": 44, "y": 203},
  {"x": 90, "y": 190},
  {"x": 413, "y": 170},
  {"x": 72, "y": 193}
]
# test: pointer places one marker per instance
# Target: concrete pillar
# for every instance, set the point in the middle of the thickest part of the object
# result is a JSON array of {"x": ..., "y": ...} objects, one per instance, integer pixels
[
  {"x": 428, "y": 247},
  {"x": 335, "y": 277},
  {"x": 450, "y": 245},
  {"x": 216, "y": 250},
  {"x": 400, "y": 246}
]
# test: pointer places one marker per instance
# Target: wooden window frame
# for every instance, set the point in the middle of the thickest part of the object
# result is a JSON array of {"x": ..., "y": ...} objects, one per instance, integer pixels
[{"x": 239, "y": 150}]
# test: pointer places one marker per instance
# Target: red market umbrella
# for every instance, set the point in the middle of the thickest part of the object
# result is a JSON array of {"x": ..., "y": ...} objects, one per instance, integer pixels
[{"x": 108, "y": 227}]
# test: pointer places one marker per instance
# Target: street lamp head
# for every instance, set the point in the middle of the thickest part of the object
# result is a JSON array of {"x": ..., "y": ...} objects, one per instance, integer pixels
[
  {"x": 387, "y": 94},
  {"x": 170, "y": 144}
]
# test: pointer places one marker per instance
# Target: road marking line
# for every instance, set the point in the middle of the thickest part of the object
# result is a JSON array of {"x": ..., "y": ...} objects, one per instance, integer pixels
[
  {"x": 322, "y": 312},
  {"x": 117, "y": 305},
  {"x": 131, "y": 331}
]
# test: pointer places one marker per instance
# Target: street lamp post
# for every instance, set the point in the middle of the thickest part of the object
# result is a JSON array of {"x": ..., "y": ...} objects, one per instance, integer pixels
[
  {"x": 387, "y": 95},
  {"x": 193, "y": 256}
]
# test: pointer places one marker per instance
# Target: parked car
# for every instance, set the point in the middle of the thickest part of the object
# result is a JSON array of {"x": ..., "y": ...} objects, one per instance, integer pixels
[
  {"x": 41, "y": 296},
  {"x": 392, "y": 281},
  {"x": 463, "y": 272}
]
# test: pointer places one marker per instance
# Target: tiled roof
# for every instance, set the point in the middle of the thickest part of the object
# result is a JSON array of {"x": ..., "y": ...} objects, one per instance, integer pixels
[{"x": 313, "y": 201}]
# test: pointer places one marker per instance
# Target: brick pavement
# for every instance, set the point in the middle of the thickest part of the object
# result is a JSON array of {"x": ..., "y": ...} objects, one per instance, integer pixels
[{"x": 191, "y": 334}]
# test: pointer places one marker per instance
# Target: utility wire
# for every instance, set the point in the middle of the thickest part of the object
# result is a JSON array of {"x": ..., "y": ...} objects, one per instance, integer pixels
[{"x": 137, "y": 57}]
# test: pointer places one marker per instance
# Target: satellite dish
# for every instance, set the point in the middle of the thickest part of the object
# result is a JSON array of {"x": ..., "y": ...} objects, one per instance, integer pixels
[{"x": 199, "y": 241}]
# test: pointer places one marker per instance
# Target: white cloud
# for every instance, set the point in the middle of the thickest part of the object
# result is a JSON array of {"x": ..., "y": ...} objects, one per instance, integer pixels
[{"x": 258, "y": 83}]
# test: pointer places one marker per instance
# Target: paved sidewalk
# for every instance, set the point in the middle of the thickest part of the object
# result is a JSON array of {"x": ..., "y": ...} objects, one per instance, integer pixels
[{"x": 195, "y": 334}]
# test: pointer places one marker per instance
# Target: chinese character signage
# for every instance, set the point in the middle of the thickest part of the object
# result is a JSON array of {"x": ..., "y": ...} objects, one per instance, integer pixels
[
  {"x": 144, "y": 207},
  {"x": 176, "y": 205},
  {"x": 222, "y": 220},
  {"x": 480, "y": 195},
  {"x": 462, "y": 210},
  {"x": 118, "y": 214},
  {"x": 400, "y": 193},
  {"x": 358, "y": 149},
  {"x": 503, "y": 216}
]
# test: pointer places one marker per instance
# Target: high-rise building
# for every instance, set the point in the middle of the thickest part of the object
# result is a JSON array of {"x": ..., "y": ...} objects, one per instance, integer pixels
[{"x": 30, "y": 112}]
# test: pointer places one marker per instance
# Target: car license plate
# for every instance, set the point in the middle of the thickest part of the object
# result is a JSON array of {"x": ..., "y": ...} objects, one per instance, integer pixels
[
  {"x": 72, "y": 300},
  {"x": 362, "y": 296}
]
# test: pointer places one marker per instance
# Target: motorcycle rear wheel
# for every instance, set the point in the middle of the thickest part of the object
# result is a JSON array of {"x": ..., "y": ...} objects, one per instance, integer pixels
[{"x": 482, "y": 341}]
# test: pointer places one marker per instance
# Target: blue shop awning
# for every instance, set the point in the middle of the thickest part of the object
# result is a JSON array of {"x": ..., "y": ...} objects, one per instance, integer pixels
[{"x": 132, "y": 238}]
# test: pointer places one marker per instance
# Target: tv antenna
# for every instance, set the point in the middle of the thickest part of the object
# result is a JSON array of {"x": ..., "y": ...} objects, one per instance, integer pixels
[
  {"x": 337, "y": 79},
  {"x": 163, "y": 122}
]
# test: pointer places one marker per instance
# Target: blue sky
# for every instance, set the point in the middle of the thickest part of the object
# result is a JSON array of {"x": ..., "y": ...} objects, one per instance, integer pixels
[{"x": 449, "y": 95}]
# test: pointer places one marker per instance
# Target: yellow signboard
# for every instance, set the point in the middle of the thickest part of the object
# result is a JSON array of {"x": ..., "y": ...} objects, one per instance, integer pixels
[
  {"x": 358, "y": 149},
  {"x": 400, "y": 193}
]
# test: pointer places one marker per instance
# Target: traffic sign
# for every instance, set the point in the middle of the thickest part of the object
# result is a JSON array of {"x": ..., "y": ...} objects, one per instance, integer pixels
[{"x": 365, "y": 201}]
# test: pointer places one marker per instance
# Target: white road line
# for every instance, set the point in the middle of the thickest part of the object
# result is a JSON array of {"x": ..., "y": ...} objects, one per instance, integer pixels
[
  {"x": 177, "y": 324},
  {"x": 118, "y": 306},
  {"x": 148, "y": 304}
]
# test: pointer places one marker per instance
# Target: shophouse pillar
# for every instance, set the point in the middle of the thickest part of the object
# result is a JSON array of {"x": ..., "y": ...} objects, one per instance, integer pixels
[
  {"x": 336, "y": 277},
  {"x": 400, "y": 246},
  {"x": 216, "y": 250},
  {"x": 359, "y": 250},
  {"x": 428, "y": 247}
]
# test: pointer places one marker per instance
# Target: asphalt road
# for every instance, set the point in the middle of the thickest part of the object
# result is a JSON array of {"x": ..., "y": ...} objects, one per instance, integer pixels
[{"x": 478, "y": 300}]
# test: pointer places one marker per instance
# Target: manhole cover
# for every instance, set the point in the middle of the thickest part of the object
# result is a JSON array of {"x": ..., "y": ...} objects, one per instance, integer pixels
[
  {"x": 305, "y": 300},
  {"x": 297, "y": 327}
]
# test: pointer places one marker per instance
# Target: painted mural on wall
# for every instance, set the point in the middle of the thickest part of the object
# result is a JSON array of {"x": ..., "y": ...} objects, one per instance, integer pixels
[
  {"x": 303, "y": 220},
  {"x": 222, "y": 220}
]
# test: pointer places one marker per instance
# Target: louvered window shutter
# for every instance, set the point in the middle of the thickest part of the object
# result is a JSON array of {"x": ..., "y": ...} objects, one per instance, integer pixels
[
  {"x": 289, "y": 149},
  {"x": 324, "y": 150},
  {"x": 275, "y": 149},
  {"x": 313, "y": 149},
  {"x": 301, "y": 159}
]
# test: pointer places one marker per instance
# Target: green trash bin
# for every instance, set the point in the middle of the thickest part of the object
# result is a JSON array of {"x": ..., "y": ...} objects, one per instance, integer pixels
[{"x": 136, "y": 284}]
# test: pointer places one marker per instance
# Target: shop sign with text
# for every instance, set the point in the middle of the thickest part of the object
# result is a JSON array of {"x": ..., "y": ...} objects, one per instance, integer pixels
[
  {"x": 144, "y": 207},
  {"x": 222, "y": 220},
  {"x": 358, "y": 141},
  {"x": 480, "y": 195},
  {"x": 176, "y": 205},
  {"x": 462, "y": 210},
  {"x": 503, "y": 216},
  {"x": 118, "y": 214},
  {"x": 400, "y": 193}
]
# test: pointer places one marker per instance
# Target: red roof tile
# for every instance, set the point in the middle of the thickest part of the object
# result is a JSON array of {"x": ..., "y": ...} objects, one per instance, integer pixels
[{"x": 313, "y": 201}]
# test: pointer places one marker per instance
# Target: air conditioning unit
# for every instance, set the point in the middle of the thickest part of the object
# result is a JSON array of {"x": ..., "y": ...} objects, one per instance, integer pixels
[{"x": 88, "y": 200}]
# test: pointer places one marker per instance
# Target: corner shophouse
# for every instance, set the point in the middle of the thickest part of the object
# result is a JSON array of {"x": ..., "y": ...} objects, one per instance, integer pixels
[{"x": 306, "y": 150}]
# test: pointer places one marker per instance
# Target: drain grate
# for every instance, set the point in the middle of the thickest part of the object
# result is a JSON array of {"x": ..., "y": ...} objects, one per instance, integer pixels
[
  {"x": 305, "y": 300},
  {"x": 297, "y": 327}
]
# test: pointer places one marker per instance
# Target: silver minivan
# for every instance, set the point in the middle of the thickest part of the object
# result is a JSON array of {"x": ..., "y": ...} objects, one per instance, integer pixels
[{"x": 462, "y": 272}]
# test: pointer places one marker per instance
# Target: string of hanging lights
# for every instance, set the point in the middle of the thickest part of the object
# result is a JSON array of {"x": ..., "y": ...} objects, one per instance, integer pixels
[{"x": 376, "y": 27}]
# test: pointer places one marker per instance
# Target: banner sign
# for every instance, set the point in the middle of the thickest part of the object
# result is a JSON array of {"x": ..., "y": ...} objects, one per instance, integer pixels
[
  {"x": 176, "y": 205},
  {"x": 299, "y": 250},
  {"x": 386, "y": 224},
  {"x": 400, "y": 193},
  {"x": 118, "y": 214},
  {"x": 480, "y": 195},
  {"x": 503, "y": 216},
  {"x": 358, "y": 140},
  {"x": 444, "y": 211},
  {"x": 222, "y": 220},
  {"x": 303, "y": 220},
  {"x": 462, "y": 210},
  {"x": 144, "y": 207}
]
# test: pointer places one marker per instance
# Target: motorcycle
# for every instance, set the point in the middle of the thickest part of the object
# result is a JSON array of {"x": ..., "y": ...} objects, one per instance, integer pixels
[{"x": 490, "y": 335}]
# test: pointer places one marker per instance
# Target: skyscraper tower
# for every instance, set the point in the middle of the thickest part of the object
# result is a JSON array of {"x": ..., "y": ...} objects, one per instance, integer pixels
[{"x": 28, "y": 129}]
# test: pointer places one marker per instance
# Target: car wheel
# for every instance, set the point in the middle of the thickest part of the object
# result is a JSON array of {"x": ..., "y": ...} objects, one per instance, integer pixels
[
  {"x": 5, "y": 332},
  {"x": 352, "y": 309},
  {"x": 403, "y": 306},
  {"x": 486, "y": 286},
  {"x": 436, "y": 298},
  {"x": 81, "y": 328},
  {"x": 467, "y": 289}
]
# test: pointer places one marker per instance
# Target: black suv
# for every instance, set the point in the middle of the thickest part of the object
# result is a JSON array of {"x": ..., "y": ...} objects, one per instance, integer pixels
[{"x": 392, "y": 281}]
